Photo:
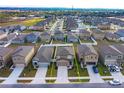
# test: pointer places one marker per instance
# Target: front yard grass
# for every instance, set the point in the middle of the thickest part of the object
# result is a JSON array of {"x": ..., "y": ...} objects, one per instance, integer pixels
[
  {"x": 51, "y": 71},
  {"x": 58, "y": 42},
  {"x": 77, "y": 71},
  {"x": 5, "y": 71},
  {"x": 77, "y": 80},
  {"x": 28, "y": 71},
  {"x": 1, "y": 81},
  {"x": 103, "y": 70},
  {"x": 24, "y": 81},
  {"x": 107, "y": 79},
  {"x": 50, "y": 81},
  {"x": 86, "y": 41}
]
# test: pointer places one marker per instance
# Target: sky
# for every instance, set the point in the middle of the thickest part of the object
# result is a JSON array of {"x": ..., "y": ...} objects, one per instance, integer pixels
[{"x": 64, "y": 3}]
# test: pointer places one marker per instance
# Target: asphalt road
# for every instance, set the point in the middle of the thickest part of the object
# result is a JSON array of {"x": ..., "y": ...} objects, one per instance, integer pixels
[{"x": 86, "y": 85}]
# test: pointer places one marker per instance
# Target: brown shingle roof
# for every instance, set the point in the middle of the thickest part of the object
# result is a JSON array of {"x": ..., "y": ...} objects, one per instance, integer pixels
[{"x": 22, "y": 50}]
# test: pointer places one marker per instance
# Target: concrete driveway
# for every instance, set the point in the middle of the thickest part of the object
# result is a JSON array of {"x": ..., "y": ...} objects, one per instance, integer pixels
[
  {"x": 62, "y": 75},
  {"x": 118, "y": 75},
  {"x": 12, "y": 79},
  {"x": 40, "y": 76},
  {"x": 94, "y": 77}
]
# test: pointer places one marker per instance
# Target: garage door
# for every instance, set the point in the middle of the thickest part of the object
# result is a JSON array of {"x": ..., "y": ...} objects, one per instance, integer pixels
[
  {"x": 91, "y": 63},
  {"x": 110, "y": 62}
]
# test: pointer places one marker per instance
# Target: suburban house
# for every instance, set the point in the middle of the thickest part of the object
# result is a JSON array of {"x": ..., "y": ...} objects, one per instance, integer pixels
[
  {"x": 120, "y": 33},
  {"x": 64, "y": 56},
  {"x": 72, "y": 38},
  {"x": 98, "y": 34},
  {"x": 23, "y": 55},
  {"x": 120, "y": 48},
  {"x": 106, "y": 26},
  {"x": 19, "y": 39},
  {"x": 71, "y": 24},
  {"x": 43, "y": 57},
  {"x": 109, "y": 55},
  {"x": 2, "y": 35},
  {"x": 9, "y": 37},
  {"x": 59, "y": 35},
  {"x": 84, "y": 34},
  {"x": 5, "y": 56},
  {"x": 112, "y": 37},
  {"x": 45, "y": 37},
  {"x": 33, "y": 37},
  {"x": 87, "y": 55}
]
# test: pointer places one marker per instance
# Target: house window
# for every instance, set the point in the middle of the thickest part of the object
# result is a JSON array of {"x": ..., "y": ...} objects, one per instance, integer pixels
[
  {"x": 91, "y": 57},
  {"x": 0, "y": 63},
  {"x": 119, "y": 57},
  {"x": 108, "y": 56}
]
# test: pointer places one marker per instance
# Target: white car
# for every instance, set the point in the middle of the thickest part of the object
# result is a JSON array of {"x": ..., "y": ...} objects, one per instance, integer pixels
[{"x": 114, "y": 82}]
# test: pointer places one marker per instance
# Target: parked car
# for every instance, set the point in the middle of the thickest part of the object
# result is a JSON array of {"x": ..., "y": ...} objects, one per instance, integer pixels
[
  {"x": 114, "y": 82},
  {"x": 95, "y": 69},
  {"x": 114, "y": 68}
]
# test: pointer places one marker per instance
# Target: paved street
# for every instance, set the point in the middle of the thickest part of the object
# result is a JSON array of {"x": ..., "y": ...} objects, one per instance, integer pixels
[
  {"x": 84, "y": 85},
  {"x": 62, "y": 75},
  {"x": 12, "y": 79},
  {"x": 40, "y": 76},
  {"x": 94, "y": 78}
]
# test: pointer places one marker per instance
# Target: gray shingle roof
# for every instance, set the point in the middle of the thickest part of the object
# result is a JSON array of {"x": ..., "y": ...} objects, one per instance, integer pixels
[{"x": 44, "y": 54}]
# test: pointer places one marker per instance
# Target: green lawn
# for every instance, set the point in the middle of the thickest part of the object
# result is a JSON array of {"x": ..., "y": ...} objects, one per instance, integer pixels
[
  {"x": 77, "y": 80},
  {"x": 5, "y": 71},
  {"x": 51, "y": 71},
  {"x": 77, "y": 71},
  {"x": 58, "y": 42},
  {"x": 1, "y": 81},
  {"x": 50, "y": 81},
  {"x": 107, "y": 79},
  {"x": 86, "y": 41},
  {"x": 103, "y": 68},
  {"x": 28, "y": 71},
  {"x": 24, "y": 81}
]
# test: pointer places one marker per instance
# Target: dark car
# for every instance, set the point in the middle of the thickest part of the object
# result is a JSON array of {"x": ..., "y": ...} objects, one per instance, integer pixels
[{"x": 95, "y": 69}]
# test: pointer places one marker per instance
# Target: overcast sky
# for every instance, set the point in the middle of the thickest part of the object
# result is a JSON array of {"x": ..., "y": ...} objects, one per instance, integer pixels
[{"x": 64, "y": 3}]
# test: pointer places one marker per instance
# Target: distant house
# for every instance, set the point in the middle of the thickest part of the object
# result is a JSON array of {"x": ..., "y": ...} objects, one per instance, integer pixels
[
  {"x": 5, "y": 56},
  {"x": 84, "y": 34},
  {"x": 120, "y": 33},
  {"x": 45, "y": 37},
  {"x": 23, "y": 55},
  {"x": 106, "y": 26},
  {"x": 71, "y": 23},
  {"x": 43, "y": 57},
  {"x": 120, "y": 48},
  {"x": 112, "y": 37},
  {"x": 19, "y": 39},
  {"x": 109, "y": 55},
  {"x": 98, "y": 34},
  {"x": 71, "y": 38},
  {"x": 64, "y": 56},
  {"x": 36, "y": 28},
  {"x": 33, "y": 37},
  {"x": 2, "y": 35},
  {"x": 59, "y": 35},
  {"x": 87, "y": 55}
]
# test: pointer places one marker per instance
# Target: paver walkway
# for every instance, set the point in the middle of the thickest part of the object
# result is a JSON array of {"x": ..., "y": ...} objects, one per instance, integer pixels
[
  {"x": 62, "y": 75},
  {"x": 40, "y": 76}
]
